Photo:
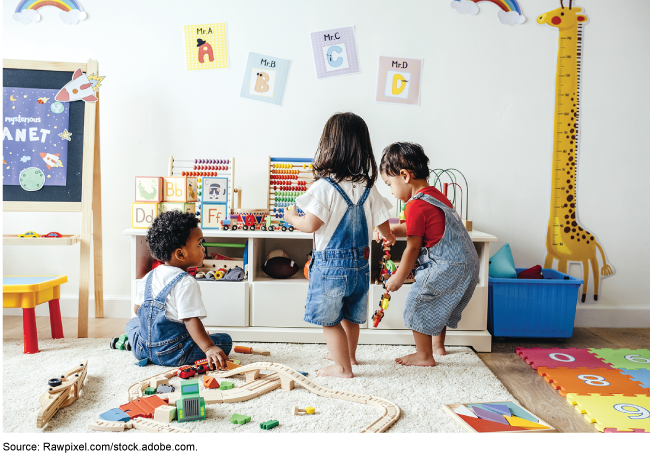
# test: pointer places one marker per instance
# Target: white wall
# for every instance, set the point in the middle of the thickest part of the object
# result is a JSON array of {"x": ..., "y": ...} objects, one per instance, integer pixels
[{"x": 486, "y": 108}]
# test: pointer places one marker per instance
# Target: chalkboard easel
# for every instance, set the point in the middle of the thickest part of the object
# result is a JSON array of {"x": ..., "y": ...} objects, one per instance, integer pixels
[{"x": 82, "y": 192}]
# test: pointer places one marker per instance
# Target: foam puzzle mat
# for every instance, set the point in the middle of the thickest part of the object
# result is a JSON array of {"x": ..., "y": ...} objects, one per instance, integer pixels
[{"x": 610, "y": 387}]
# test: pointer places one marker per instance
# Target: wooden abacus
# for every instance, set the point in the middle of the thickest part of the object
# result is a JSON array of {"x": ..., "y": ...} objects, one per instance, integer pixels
[{"x": 288, "y": 178}]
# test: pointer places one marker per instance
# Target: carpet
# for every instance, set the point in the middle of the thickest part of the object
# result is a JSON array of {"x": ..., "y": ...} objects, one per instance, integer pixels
[{"x": 460, "y": 376}]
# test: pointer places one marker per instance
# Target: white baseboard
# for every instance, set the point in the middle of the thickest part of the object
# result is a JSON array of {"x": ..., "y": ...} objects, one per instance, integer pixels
[
  {"x": 114, "y": 307},
  {"x": 594, "y": 316}
]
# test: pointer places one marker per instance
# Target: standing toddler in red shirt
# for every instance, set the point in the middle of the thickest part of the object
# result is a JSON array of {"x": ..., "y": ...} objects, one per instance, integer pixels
[{"x": 438, "y": 241}]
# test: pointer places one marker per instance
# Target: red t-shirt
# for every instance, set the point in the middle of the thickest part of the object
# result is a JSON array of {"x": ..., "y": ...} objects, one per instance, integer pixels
[{"x": 426, "y": 220}]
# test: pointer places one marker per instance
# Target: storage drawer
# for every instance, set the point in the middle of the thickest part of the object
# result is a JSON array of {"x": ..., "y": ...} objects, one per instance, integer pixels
[
  {"x": 279, "y": 303},
  {"x": 474, "y": 316}
]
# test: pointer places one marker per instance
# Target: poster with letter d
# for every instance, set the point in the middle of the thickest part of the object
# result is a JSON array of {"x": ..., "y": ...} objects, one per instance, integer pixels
[{"x": 399, "y": 80}]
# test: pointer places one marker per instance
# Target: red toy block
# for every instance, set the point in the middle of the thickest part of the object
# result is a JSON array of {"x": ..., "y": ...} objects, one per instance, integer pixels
[
  {"x": 571, "y": 358},
  {"x": 144, "y": 407},
  {"x": 481, "y": 425},
  {"x": 591, "y": 381}
]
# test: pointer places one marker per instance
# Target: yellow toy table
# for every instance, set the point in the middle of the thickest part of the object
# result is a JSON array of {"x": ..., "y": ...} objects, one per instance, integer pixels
[{"x": 28, "y": 292}]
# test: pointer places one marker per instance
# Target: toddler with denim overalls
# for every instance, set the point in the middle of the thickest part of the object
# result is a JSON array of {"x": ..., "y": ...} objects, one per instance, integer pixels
[
  {"x": 341, "y": 208},
  {"x": 168, "y": 330},
  {"x": 437, "y": 239}
]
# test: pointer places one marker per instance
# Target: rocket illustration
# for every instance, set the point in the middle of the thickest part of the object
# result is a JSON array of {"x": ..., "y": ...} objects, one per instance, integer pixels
[
  {"x": 51, "y": 160},
  {"x": 78, "y": 88}
]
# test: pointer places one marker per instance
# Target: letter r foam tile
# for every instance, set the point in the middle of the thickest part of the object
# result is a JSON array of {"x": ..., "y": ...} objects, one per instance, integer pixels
[
  {"x": 624, "y": 358},
  {"x": 640, "y": 375},
  {"x": 623, "y": 413},
  {"x": 591, "y": 381},
  {"x": 570, "y": 358}
]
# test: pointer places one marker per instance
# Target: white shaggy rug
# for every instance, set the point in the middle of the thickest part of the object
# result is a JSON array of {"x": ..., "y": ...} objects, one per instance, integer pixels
[{"x": 460, "y": 376}]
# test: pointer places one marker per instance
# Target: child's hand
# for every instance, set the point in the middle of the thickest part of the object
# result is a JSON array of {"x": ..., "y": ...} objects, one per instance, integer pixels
[
  {"x": 390, "y": 239},
  {"x": 291, "y": 212},
  {"x": 217, "y": 357},
  {"x": 393, "y": 284}
]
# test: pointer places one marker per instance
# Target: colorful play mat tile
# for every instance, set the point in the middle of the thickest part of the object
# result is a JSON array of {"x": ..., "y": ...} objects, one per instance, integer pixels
[
  {"x": 623, "y": 413},
  {"x": 591, "y": 381},
  {"x": 571, "y": 358},
  {"x": 640, "y": 375},
  {"x": 624, "y": 358}
]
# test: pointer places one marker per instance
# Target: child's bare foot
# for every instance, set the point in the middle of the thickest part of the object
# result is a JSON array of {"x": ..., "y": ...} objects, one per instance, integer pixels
[
  {"x": 415, "y": 359},
  {"x": 353, "y": 361},
  {"x": 439, "y": 350},
  {"x": 333, "y": 371}
]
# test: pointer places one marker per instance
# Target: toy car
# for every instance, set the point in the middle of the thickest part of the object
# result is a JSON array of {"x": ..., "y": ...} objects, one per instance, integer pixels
[
  {"x": 29, "y": 235},
  {"x": 121, "y": 343},
  {"x": 52, "y": 235},
  {"x": 186, "y": 372},
  {"x": 202, "y": 366}
]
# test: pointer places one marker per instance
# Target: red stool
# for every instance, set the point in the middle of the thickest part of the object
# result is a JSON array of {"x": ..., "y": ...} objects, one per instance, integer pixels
[{"x": 27, "y": 292}]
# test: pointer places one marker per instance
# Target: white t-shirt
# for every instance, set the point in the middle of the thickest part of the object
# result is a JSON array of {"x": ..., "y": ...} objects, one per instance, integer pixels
[
  {"x": 184, "y": 299},
  {"x": 325, "y": 202}
]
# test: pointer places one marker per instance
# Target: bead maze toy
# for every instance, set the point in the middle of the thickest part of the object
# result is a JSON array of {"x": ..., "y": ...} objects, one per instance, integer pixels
[
  {"x": 595, "y": 382},
  {"x": 486, "y": 417},
  {"x": 280, "y": 376},
  {"x": 62, "y": 392},
  {"x": 452, "y": 185},
  {"x": 288, "y": 178}
]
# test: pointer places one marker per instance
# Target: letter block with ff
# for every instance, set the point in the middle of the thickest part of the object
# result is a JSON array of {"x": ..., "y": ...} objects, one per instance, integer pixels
[
  {"x": 180, "y": 189},
  {"x": 212, "y": 214},
  {"x": 143, "y": 214}
]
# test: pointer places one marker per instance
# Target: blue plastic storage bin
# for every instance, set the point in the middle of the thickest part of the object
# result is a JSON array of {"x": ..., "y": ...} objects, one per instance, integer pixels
[{"x": 533, "y": 307}]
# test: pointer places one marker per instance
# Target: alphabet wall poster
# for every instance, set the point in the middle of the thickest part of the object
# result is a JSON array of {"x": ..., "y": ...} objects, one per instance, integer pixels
[
  {"x": 35, "y": 135},
  {"x": 335, "y": 52},
  {"x": 265, "y": 78},
  {"x": 399, "y": 80},
  {"x": 206, "y": 46}
]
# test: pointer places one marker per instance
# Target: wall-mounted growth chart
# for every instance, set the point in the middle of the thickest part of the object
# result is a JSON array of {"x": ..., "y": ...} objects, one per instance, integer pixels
[
  {"x": 288, "y": 178},
  {"x": 567, "y": 239}
]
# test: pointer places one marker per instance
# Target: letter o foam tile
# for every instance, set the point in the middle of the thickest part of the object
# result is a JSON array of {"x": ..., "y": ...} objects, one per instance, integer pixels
[
  {"x": 624, "y": 358},
  {"x": 570, "y": 358},
  {"x": 591, "y": 381},
  {"x": 623, "y": 413}
]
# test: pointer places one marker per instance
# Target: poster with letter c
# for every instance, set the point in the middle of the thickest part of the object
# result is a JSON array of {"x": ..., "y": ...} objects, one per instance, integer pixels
[
  {"x": 335, "y": 52},
  {"x": 399, "y": 80}
]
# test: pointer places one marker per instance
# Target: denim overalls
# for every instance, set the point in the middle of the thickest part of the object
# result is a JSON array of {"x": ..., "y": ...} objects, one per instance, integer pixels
[
  {"x": 339, "y": 276},
  {"x": 165, "y": 342},
  {"x": 445, "y": 279}
]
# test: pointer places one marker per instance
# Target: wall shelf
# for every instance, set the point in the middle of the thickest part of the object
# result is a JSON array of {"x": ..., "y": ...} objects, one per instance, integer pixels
[{"x": 15, "y": 240}]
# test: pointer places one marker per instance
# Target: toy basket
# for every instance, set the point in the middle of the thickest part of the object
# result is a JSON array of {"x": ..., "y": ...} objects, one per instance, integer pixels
[{"x": 533, "y": 307}]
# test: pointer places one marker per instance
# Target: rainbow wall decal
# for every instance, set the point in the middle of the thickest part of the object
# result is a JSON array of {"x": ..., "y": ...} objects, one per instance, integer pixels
[
  {"x": 510, "y": 12},
  {"x": 71, "y": 11}
]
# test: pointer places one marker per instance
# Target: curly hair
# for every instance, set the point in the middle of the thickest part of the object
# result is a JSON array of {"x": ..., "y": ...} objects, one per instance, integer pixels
[
  {"x": 407, "y": 156},
  {"x": 170, "y": 231},
  {"x": 345, "y": 150}
]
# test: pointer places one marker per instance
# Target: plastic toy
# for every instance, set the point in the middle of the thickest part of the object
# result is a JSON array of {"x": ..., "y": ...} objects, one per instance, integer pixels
[
  {"x": 201, "y": 366},
  {"x": 268, "y": 425},
  {"x": 308, "y": 410},
  {"x": 52, "y": 235},
  {"x": 191, "y": 406},
  {"x": 63, "y": 395},
  {"x": 186, "y": 372},
  {"x": 240, "y": 419},
  {"x": 251, "y": 350},
  {"x": 302, "y": 373},
  {"x": 163, "y": 389},
  {"x": 225, "y": 385},
  {"x": 121, "y": 343},
  {"x": 277, "y": 376},
  {"x": 150, "y": 391},
  {"x": 144, "y": 407},
  {"x": 29, "y": 235},
  {"x": 210, "y": 382},
  {"x": 115, "y": 414}
]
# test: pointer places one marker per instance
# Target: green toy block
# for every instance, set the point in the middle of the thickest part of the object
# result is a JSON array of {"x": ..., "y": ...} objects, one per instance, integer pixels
[
  {"x": 150, "y": 390},
  {"x": 240, "y": 419},
  {"x": 268, "y": 425},
  {"x": 226, "y": 385}
]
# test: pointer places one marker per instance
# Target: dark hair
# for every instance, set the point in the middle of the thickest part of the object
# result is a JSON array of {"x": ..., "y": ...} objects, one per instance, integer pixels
[
  {"x": 345, "y": 150},
  {"x": 170, "y": 231},
  {"x": 407, "y": 156}
]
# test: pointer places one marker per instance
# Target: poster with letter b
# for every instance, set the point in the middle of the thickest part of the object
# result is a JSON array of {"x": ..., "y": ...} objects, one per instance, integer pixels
[{"x": 265, "y": 78}]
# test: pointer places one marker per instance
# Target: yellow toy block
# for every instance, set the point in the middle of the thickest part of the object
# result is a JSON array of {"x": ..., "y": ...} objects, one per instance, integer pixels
[
  {"x": 143, "y": 214},
  {"x": 521, "y": 422},
  {"x": 178, "y": 206},
  {"x": 180, "y": 189}
]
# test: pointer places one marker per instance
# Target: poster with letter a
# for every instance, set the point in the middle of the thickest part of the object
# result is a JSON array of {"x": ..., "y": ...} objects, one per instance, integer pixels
[
  {"x": 206, "y": 46},
  {"x": 335, "y": 52},
  {"x": 399, "y": 80},
  {"x": 265, "y": 78}
]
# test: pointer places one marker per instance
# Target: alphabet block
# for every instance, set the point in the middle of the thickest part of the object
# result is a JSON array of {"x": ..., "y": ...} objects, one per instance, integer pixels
[
  {"x": 212, "y": 215},
  {"x": 143, "y": 214},
  {"x": 148, "y": 189},
  {"x": 180, "y": 189},
  {"x": 214, "y": 190},
  {"x": 178, "y": 206}
]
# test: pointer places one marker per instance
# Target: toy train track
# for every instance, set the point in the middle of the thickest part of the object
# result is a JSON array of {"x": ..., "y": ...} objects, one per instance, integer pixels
[
  {"x": 63, "y": 394},
  {"x": 281, "y": 377}
]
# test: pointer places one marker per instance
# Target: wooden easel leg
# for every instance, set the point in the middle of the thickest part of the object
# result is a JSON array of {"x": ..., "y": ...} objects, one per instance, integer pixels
[{"x": 97, "y": 226}]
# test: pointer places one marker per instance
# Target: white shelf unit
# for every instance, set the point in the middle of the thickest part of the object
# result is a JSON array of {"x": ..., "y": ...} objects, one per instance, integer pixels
[{"x": 262, "y": 309}]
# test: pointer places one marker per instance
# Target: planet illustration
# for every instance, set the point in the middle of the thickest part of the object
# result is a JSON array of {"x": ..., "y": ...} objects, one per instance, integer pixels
[
  {"x": 32, "y": 179},
  {"x": 57, "y": 107}
]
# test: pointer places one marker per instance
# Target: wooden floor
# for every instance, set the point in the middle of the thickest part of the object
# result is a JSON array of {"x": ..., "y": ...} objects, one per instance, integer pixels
[{"x": 521, "y": 380}]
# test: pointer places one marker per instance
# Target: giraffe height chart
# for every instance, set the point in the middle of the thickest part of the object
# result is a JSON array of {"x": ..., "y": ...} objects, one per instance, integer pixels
[{"x": 567, "y": 240}]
